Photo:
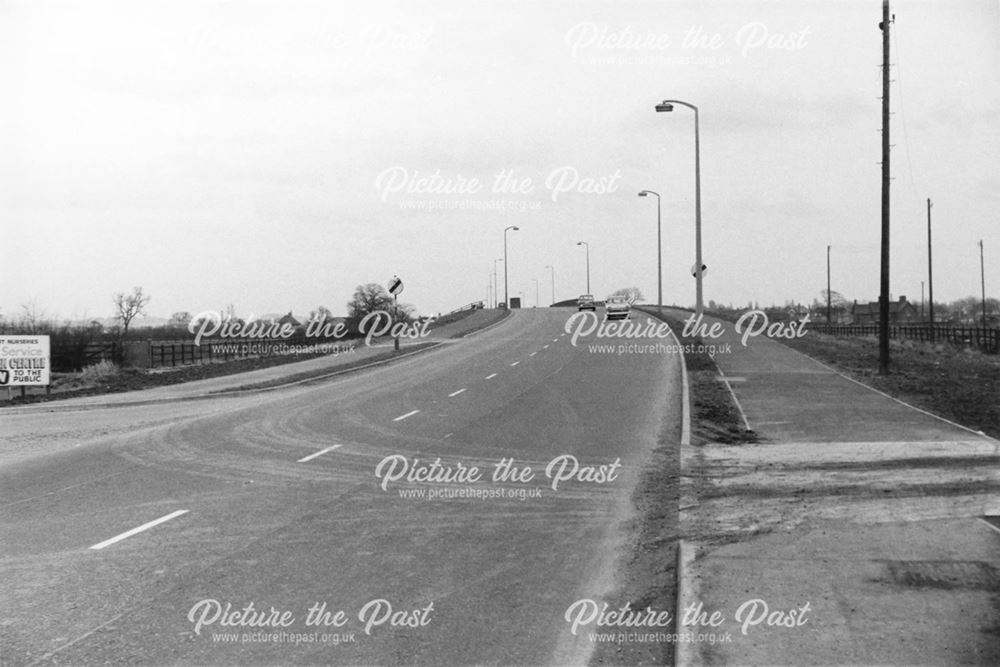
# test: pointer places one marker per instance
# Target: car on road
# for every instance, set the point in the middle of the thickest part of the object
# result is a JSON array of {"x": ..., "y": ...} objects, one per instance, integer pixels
[
  {"x": 617, "y": 307},
  {"x": 586, "y": 302}
]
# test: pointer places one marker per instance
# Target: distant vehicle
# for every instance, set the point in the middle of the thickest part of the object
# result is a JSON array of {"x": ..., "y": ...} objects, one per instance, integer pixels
[
  {"x": 586, "y": 302},
  {"x": 617, "y": 307}
]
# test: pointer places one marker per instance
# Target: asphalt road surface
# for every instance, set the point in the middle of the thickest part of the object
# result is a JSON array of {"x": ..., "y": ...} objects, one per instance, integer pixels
[{"x": 273, "y": 499}]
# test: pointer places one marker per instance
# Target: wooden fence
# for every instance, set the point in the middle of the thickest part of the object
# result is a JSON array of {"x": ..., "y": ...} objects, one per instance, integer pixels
[
  {"x": 179, "y": 353},
  {"x": 987, "y": 340},
  {"x": 70, "y": 356},
  {"x": 167, "y": 353}
]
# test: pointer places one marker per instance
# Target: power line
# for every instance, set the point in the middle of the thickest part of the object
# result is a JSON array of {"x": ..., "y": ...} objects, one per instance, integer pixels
[{"x": 902, "y": 112}]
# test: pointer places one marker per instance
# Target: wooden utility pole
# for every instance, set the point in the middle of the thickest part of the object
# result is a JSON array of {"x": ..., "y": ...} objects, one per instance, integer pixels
[
  {"x": 982, "y": 279},
  {"x": 883, "y": 299},
  {"x": 829, "y": 322},
  {"x": 930, "y": 271}
]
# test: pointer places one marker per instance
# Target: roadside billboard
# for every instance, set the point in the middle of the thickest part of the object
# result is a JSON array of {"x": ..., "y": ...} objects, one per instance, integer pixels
[{"x": 24, "y": 361}]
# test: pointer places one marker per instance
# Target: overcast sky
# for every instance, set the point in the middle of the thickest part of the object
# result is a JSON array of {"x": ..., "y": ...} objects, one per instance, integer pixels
[{"x": 262, "y": 154}]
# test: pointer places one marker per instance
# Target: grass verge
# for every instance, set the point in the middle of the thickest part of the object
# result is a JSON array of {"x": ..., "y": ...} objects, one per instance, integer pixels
[
  {"x": 714, "y": 415},
  {"x": 130, "y": 379}
]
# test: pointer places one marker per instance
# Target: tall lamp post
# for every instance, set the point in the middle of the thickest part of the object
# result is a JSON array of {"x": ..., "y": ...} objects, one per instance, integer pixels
[
  {"x": 506, "y": 298},
  {"x": 668, "y": 105},
  {"x": 536, "y": 292},
  {"x": 495, "y": 299},
  {"x": 553, "y": 269},
  {"x": 659, "y": 251},
  {"x": 587, "y": 245}
]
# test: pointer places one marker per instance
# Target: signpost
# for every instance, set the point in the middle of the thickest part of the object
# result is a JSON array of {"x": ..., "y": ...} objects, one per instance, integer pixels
[
  {"x": 25, "y": 361},
  {"x": 395, "y": 286},
  {"x": 395, "y": 289}
]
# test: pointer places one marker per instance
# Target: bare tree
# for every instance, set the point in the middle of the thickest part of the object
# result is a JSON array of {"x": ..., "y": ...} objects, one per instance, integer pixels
[
  {"x": 368, "y": 299},
  {"x": 179, "y": 319},
  {"x": 633, "y": 294},
  {"x": 32, "y": 317},
  {"x": 128, "y": 307},
  {"x": 321, "y": 314}
]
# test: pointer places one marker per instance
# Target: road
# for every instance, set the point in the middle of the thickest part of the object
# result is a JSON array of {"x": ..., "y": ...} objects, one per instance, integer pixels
[{"x": 273, "y": 499}]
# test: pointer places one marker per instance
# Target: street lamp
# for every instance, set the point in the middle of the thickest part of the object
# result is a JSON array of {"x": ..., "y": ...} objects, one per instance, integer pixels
[
  {"x": 506, "y": 298},
  {"x": 495, "y": 281},
  {"x": 553, "y": 282},
  {"x": 668, "y": 105},
  {"x": 584, "y": 243},
  {"x": 659, "y": 251},
  {"x": 536, "y": 291}
]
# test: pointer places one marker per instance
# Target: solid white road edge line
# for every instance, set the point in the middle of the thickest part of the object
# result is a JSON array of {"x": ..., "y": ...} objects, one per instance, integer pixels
[
  {"x": 725, "y": 380},
  {"x": 145, "y": 526},
  {"x": 408, "y": 414},
  {"x": 319, "y": 453}
]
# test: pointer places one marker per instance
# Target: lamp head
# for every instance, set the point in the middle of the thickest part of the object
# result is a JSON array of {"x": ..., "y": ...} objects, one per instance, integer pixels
[{"x": 664, "y": 106}]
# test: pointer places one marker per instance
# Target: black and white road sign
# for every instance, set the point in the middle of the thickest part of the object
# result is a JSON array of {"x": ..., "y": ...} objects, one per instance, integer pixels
[{"x": 395, "y": 286}]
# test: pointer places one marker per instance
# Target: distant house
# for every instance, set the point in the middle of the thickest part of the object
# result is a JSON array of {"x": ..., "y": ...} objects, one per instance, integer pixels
[
  {"x": 900, "y": 312},
  {"x": 289, "y": 319}
]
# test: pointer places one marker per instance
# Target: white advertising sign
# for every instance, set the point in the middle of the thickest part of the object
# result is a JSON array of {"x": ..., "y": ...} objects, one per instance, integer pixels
[{"x": 24, "y": 360}]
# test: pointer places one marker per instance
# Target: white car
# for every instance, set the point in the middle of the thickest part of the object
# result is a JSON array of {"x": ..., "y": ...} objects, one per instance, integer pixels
[{"x": 617, "y": 307}]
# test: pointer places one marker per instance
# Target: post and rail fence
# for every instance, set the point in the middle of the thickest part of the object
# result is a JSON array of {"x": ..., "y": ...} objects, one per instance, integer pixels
[
  {"x": 170, "y": 353},
  {"x": 984, "y": 339}
]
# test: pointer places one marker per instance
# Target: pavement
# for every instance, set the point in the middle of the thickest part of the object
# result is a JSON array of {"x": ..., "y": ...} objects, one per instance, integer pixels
[{"x": 852, "y": 534}]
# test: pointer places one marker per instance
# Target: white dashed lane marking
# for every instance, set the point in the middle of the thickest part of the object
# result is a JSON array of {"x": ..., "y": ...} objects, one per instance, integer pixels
[
  {"x": 456, "y": 393},
  {"x": 135, "y": 531},
  {"x": 319, "y": 453},
  {"x": 408, "y": 414}
]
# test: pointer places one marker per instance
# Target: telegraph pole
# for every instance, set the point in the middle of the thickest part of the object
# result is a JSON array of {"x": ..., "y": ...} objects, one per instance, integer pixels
[
  {"x": 828, "y": 320},
  {"x": 982, "y": 279},
  {"x": 883, "y": 299},
  {"x": 930, "y": 271}
]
